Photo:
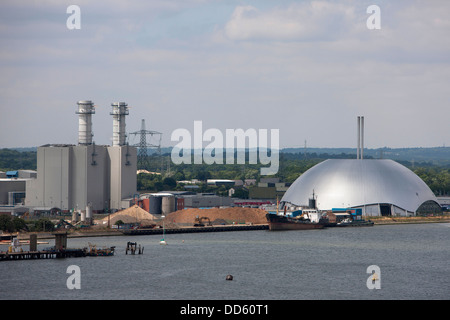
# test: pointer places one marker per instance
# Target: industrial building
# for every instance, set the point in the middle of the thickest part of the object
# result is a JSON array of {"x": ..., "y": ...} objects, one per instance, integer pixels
[
  {"x": 12, "y": 191},
  {"x": 268, "y": 188},
  {"x": 78, "y": 176},
  {"x": 377, "y": 186},
  {"x": 168, "y": 201}
]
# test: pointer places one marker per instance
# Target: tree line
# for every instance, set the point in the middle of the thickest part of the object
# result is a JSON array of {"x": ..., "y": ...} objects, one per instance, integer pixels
[
  {"x": 10, "y": 223},
  {"x": 16, "y": 160}
]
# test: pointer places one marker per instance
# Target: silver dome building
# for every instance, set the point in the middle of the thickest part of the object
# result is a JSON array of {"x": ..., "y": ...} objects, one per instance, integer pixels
[{"x": 378, "y": 187}]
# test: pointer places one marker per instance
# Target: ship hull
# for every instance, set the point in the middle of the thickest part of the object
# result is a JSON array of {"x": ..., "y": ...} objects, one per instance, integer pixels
[{"x": 279, "y": 223}]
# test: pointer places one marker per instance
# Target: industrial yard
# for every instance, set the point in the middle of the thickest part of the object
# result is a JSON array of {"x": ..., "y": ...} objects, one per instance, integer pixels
[
  {"x": 186, "y": 219},
  {"x": 217, "y": 216},
  {"x": 89, "y": 189}
]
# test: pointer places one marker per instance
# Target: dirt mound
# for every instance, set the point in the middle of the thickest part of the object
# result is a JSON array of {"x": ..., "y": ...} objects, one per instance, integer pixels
[
  {"x": 186, "y": 217},
  {"x": 134, "y": 214},
  {"x": 218, "y": 216}
]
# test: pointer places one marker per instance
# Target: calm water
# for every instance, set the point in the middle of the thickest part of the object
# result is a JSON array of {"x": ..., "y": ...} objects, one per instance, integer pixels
[{"x": 312, "y": 264}]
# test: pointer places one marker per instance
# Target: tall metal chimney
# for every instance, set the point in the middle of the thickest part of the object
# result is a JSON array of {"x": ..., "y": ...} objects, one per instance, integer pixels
[
  {"x": 85, "y": 111},
  {"x": 362, "y": 137},
  {"x": 119, "y": 111},
  {"x": 358, "y": 137}
]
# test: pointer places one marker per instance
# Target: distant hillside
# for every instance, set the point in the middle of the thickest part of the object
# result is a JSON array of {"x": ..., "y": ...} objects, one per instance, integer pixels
[
  {"x": 11, "y": 159},
  {"x": 436, "y": 155},
  {"x": 439, "y": 156}
]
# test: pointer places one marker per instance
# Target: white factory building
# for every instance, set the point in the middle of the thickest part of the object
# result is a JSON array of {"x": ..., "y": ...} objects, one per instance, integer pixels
[
  {"x": 77, "y": 176},
  {"x": 379, "y": 187}
]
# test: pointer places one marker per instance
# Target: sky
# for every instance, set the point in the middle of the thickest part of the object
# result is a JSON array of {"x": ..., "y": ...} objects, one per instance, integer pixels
[{"x": 306, "y": 68}]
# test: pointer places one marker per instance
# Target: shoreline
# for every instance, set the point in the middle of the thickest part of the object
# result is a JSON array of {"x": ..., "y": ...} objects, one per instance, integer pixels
[
  {"x": 409, "y": 220},
  {"x": 378, "y": 221}
]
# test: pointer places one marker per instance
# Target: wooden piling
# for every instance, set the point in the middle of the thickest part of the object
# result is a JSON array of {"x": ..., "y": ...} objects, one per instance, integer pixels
[{"x": 33, "y": 242}]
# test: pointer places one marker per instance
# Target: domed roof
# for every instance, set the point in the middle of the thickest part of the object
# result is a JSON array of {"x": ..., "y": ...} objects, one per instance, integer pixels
[{"x": 353, "y": 183}]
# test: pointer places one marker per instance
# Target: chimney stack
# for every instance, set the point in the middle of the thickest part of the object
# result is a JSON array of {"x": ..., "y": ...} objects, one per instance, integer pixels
[
  {"x": 85, "y": 111},
  {"x": 360, "y": 138},
  {"x": 119, "y": 111}
]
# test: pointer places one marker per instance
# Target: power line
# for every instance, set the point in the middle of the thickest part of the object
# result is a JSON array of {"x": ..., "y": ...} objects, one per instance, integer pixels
[{"x": 142, "y": 161}]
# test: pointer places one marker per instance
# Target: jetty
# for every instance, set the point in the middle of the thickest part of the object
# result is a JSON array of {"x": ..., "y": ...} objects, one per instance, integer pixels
[
  {"x": 239, "y": 227},
  {"x": 60, "y": 250},
  {"x": 44, "y": 254}
]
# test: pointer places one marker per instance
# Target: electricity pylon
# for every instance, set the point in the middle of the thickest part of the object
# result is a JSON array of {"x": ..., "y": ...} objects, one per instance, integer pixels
[{"x": 142, "y": 158}]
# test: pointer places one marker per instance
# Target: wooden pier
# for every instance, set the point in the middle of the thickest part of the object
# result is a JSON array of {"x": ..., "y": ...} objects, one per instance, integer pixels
[
  {"x": 243, "y": 227},
  {"x": 60, "y": 250},
  {"x": 29, "y": 255}
]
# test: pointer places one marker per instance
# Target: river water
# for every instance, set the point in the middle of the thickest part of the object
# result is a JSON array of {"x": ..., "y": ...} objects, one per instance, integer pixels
[{"x": 332, "y": 263}]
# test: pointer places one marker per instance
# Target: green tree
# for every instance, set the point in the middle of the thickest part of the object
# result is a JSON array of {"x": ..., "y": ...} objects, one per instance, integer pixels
[
  {"x": 178, "y": 176},
  {"x": 19, "y": 224},
  {"x": 119, "y": 223},
  {"x": 203, "y": 175},
  {"x": 169, "y": 183},
  {"x": 158, "y": 186},
  {"x": 16, "y": 160},
  {"x": 44, "y": 224},
  {"x": 6, "y": 223}
]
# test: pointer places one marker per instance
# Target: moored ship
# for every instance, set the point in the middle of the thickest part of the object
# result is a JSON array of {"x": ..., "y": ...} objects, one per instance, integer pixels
[
  {"x": 282, "y": 222},
  {"x": 295, "y": 218}
]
